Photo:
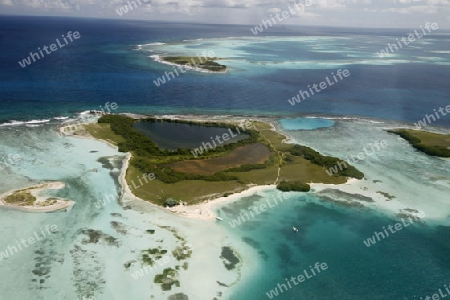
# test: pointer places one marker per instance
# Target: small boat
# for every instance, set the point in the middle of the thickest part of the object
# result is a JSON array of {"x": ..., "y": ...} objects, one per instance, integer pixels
[
  {"x": 219, "y": 218},
  {"x": 295, "y": 228}
]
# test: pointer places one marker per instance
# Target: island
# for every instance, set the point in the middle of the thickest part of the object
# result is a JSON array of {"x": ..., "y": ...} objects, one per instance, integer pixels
[
  {"x": 203, "y": 63},
  {"x": 30, "y": 199},
  {"x": 175, "y": 161},
  {"x": 427, "y": 142}
]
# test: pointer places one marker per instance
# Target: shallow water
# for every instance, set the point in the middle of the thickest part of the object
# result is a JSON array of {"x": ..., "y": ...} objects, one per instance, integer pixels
[
  {"x": 64, "y": 265},
  {"x": 410, "y": 263},
  {"x": 305, "y": 123}
]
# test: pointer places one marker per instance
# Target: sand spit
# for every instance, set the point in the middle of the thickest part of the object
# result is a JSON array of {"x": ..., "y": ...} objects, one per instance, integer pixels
[{"x": 41, "y": 204}]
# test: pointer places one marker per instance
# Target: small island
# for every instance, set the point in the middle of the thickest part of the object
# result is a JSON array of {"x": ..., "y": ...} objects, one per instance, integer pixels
[
  {"x": 228, "y": 157},
  {"x": 29, "y": 199},
  {"x": 427, "y": 142},
  {"x": 204, "y": 63}
]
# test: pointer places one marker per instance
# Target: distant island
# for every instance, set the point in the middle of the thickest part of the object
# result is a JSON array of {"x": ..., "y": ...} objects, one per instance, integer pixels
[
  {"x": 246, "y": 153},
  {"x": 427, "y": 142},
  {"x": 205, "y": 63}
]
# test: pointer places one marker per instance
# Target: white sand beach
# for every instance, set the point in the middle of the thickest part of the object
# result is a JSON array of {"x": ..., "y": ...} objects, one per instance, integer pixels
[{"x": 205, "y": 211}]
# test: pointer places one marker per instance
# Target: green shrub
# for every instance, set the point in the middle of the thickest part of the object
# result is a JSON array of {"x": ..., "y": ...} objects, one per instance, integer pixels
[
  {"x": 293, "y": 186},
  {"x": 170, "y": 202}
]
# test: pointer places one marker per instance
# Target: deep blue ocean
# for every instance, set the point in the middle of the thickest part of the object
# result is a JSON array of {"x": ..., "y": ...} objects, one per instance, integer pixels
[
  {"x": 102, "y": 66},
  {"x": 106, "y": 65}
]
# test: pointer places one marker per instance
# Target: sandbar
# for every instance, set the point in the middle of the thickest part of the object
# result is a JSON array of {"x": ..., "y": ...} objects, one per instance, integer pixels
[{"x": 40, "y": 204}]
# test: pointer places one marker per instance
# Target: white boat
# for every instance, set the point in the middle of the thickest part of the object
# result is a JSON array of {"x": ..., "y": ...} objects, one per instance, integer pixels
[
  {"x": 219, "y": 218},
  {"x": 295, "y": 228}
]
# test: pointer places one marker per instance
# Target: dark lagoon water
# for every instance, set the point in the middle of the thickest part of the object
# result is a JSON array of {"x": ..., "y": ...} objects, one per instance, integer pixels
[{"x": 180, "y": 135}]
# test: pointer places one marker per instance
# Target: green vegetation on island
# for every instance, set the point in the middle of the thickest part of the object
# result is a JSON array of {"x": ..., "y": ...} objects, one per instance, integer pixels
[
  {"x": 206, "y": 63},
  {"x": 293, "y": 186},
  {"x": 325, "y": 161},
  {"x": 20, "y": 198},
  {"x": 427, "y": 142},
  {"x": 262, "y": 157},
  {"x": 25, "y": 197}
]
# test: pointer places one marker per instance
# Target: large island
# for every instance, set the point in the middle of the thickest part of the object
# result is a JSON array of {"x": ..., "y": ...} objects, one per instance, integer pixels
[{"x": 247, "y": 153}]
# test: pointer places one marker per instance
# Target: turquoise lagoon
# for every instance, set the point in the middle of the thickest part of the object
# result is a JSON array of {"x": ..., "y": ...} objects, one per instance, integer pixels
[{"x": 305, "y": 123}]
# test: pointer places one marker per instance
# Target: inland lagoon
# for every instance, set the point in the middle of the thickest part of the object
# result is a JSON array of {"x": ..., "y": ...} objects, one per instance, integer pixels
[{"x": 174, "y": 135}]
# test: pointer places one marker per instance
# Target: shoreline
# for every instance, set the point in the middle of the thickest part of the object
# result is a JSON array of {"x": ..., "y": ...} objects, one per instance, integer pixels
[
  {"x": 125, "y": 187},
  {"x": 35, "y": 190},
  {"x": 365, "y": 189},
  {"x": 206, "y": 210},
  {"x": 200, "y": 211}
]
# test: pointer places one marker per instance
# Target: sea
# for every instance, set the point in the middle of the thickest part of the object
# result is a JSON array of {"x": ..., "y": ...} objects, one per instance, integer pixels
[{"x": 117, "y": 61}]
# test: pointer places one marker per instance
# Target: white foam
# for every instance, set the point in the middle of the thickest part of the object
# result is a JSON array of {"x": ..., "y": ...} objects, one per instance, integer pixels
[
  {"x": 155, "y": 44},
  {"x": 12, "y": 123},
  {"x": 18, "y": 123},
  {"x": 86, "y": 112},
  {"x": 38, "y": 121},
  {"x": 441, "y": 51}
]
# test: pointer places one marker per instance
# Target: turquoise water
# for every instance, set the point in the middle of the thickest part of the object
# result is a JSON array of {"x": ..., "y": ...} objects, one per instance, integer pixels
[
  {"x": 409, "y": 264},
  {"x": 99, "y": 243},
  {"x": 412, "y": 262},
  {"x": 305, "y": 123}
]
